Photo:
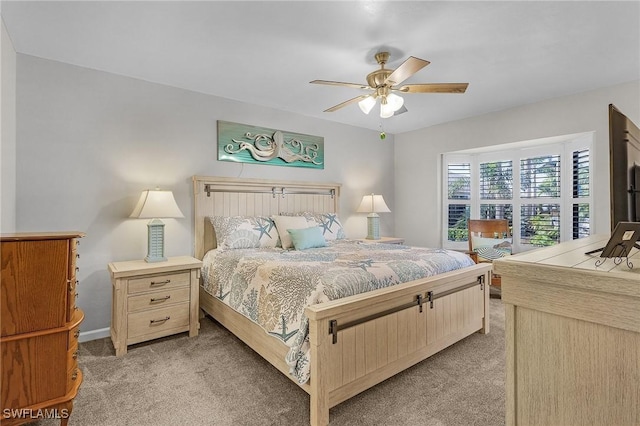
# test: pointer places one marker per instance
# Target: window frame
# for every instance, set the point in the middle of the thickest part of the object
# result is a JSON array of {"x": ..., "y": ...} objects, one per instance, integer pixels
[{"x": 532, "y": 149}]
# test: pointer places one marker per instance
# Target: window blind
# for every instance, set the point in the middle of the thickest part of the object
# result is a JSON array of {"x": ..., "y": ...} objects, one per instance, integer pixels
[
  {"x": 459, "y": 181},
  {"x": 540, "y": 177},
  {"x": 496, "y": 180}
]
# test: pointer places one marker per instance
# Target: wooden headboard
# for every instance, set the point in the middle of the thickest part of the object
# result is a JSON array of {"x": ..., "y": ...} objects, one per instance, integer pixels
[{"x": 223, "y": 196}]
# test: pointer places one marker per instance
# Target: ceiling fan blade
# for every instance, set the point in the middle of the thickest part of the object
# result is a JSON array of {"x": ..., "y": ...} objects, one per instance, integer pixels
[
  {"x": 339, "y": 83},
  {"x": 408, "y": 68},
  {"x": 345, "y": 103},
  {"x": 402, "y": 110},
  {"x": 434, "y": 88}
]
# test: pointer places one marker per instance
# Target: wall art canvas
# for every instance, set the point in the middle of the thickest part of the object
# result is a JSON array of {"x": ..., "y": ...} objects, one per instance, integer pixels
[{"x": 259, "y": 145}]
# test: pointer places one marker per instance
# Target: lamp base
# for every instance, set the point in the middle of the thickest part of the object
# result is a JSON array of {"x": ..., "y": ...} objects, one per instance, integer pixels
[
  {"x": 373, "y": 226},
  {"x": 150, "y": 259},
  {"x": 155, "y": 242}
]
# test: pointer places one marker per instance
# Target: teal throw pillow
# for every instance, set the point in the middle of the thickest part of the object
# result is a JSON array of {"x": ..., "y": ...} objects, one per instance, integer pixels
[{"x": 307, "y": 238}]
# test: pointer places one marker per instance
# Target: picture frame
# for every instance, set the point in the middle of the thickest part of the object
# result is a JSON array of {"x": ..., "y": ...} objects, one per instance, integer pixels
[{"x": 623, "y": 239}]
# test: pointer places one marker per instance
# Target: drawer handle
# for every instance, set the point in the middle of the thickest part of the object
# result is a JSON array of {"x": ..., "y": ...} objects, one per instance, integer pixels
[
  {"x": 74, "y": 376},
  {"x": 77, "y": 255},
  {"x": 154, "y": 283},
  {"x": 160, "y": 320},
  {"x": 160, "y": 299},
  {"x": 76, "y": 334},
  {"x": 75, "y": 354}
]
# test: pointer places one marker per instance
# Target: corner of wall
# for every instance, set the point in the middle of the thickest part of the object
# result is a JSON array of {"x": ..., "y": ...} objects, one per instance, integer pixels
[{"x": 7, "y": 131}]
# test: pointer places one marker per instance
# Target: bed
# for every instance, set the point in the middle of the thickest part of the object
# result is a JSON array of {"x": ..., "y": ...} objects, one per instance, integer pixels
[{"x": 351, "y": 343}]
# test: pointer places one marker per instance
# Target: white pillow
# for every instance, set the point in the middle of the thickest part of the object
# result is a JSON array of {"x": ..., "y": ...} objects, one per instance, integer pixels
[{"x": 288, "y": 222}]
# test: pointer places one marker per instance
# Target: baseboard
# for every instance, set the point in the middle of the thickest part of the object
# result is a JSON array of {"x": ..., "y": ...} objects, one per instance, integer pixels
[{"x": 100, "y": 333}]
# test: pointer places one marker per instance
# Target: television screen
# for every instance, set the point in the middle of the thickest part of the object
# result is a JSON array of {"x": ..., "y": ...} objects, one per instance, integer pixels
[{"x": 624, "y": 155}]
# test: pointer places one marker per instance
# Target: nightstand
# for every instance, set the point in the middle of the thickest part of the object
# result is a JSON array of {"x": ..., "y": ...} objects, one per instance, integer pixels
[
  {"x": 152, "y": 300},
  {"x": 385, "y": 240}
]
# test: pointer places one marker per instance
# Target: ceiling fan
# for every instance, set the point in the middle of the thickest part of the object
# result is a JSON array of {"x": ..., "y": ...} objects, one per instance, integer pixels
[{"x": 384, "y": 82}]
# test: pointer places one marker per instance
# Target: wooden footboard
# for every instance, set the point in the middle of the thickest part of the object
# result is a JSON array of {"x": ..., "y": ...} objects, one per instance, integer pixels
[
  {"x": 359, "y": 341},
  {"x": 371, "y": 348}
]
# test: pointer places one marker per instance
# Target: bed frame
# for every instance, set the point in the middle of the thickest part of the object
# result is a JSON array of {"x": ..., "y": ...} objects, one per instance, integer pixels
[{"x": 358, "y": 341}]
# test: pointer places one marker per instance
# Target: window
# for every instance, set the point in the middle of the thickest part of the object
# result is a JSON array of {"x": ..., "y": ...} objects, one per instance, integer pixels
[
  {"x": 542, "y": 189},
  {"x": 459, "y": 196}
]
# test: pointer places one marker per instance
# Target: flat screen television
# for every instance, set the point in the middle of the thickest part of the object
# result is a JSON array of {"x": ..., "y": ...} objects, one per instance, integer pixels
[{"x": 624, "y": 166}]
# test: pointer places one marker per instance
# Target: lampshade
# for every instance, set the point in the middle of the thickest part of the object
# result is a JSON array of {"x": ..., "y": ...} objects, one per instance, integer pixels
[
  {"x": 155, "y": 204},
  {"x": 373, "y": 204},
  {"x": 390, "y": 104},
  {"x": 367, "y": 104},
  {"x": 385, "y": 111},
  {"x": 395, "y": 101}
]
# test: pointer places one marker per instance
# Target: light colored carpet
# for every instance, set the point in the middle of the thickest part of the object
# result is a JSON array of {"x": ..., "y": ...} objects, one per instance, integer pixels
[{"x": 214, "y": 379}]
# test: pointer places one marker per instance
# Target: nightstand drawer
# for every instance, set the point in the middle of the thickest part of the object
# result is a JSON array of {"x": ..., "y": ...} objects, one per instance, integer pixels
[
  {"x": 157, "y": 282},
  {"x": 156, "y": 321},
  {"x": 158, "y": 299}
]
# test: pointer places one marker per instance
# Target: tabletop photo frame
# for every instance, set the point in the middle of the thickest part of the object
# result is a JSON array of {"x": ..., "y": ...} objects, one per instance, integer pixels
[{"x": 623, "y": 239}]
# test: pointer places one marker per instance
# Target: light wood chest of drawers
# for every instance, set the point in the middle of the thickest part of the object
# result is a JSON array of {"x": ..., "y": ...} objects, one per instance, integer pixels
[
  {"x": 152, "y": 300},
  {"x": 40, "y": 325},
  {"x": 572, "y": 331}
]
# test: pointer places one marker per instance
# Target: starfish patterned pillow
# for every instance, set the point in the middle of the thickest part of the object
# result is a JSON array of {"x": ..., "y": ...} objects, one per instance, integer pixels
[
  {"x": 330, "y": 225},
  {"x": 238, "y": 232}
]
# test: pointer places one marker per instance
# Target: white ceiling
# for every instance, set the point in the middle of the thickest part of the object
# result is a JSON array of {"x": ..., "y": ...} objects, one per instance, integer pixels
[{"x": 510, "y": 52}]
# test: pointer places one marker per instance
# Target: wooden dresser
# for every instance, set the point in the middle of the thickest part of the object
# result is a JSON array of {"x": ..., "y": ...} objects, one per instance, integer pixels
[
  {"x": 572, "y": 336},
  {"x": 39, "y": 324}
]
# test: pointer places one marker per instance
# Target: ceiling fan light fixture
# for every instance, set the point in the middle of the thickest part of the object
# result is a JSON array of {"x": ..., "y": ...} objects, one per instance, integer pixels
[
  {"x": 386, "y": 110},
  {"x": 395, "y": 101},
  {"x": 367, "y": 104},
  {"x": 383, "y": 81}
]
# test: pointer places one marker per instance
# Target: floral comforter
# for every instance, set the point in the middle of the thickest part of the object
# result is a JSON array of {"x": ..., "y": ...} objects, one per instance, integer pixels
[{"x": 272, "y": 286}]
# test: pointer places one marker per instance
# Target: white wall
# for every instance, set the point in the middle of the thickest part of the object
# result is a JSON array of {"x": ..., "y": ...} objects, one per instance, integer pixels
[
  {"x": 418, "y": 154},
  {"x": 88, "y": 142},
  {"x": 7, "y": 132}
]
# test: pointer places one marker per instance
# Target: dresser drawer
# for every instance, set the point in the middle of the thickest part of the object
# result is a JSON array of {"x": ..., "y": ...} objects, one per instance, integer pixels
[
  {"x": 72, "y": 289},
  {"x": 72, "y": 356},
  {"x": 74, "y": 378},
  {"x": 74, "y": 332},
  {"x": 73, "y": 255},
  {"x": 158, "y": 321},
  {"x": 158, "y": 299},
  {"x": 160, "y": 281}
]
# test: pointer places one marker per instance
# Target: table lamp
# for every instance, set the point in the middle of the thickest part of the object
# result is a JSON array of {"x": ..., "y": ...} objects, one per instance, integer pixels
[
  {"x": 373, "y": 204},
  {"x": 156, "y": 204}
]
